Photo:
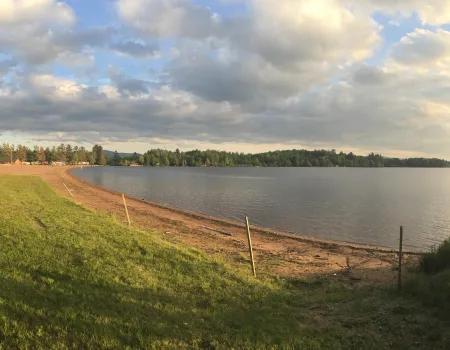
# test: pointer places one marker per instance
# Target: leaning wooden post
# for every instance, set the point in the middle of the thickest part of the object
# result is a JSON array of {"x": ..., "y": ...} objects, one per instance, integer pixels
[
  {"x": 67, "y": 189},
  {"x": 400, "y": 256},
  {"x": 126, "y": 209},
  {"x": 250, "y": 246}
]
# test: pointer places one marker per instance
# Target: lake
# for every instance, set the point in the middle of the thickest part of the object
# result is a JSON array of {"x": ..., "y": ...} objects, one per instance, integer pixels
[{"x": 357, "y": 205}]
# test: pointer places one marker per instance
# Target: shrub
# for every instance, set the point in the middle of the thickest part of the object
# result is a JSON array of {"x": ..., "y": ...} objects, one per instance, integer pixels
[{"x": 438, "y": 260}]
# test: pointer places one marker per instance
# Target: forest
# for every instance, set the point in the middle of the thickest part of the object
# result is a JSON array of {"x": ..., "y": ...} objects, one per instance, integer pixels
[
  {"x": 69, "y": 154},
  {"x": 287, "y": 158}
]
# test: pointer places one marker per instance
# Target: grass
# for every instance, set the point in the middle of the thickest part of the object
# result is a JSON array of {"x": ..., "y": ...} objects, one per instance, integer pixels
[{"x": 75, "y": 278}]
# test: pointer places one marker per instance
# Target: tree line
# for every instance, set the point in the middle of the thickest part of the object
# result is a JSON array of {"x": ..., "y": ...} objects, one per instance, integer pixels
[
  {"x": 64, "y": 153},
  {"x": 287, "y": 158},
  {"x": 69, "y": 154}
]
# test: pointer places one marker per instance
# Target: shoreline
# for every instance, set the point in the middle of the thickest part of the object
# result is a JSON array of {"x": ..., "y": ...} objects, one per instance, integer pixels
[
  {"x": 276, "y": 253},
  {"x": 254, "y": 228}
]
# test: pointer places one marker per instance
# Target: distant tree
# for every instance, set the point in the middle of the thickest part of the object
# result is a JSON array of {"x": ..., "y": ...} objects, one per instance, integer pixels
[
  {"x": 99, "y": 156},
  {"x": 147, "y": 160},
  {"x": 141, "y": 160},
  {"x": 116, "y": 159},
  {"x": 69, "y": 154},
  {"x": 31, "y": 155},
  {"x": 102, "y": 159},
  {"x": 21, "y": 153},
  {"x": 8, "y": 150},
  {"x": 166, "y": 161},
  {"x": 61, "y": 153},
  {"x": 40, "y": 154},
  {"x": 91, "y": 158}
]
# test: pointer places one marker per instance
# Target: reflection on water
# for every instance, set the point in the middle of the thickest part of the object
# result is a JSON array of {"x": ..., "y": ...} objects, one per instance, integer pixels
[{"x": 354, "y": 205}]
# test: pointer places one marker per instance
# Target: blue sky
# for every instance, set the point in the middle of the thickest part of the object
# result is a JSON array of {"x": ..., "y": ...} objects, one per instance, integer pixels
[{"x": 244, "y": 75}]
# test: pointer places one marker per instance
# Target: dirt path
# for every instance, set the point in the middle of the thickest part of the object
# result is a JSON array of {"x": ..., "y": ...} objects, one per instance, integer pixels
[{"x": 275, "y": 253}]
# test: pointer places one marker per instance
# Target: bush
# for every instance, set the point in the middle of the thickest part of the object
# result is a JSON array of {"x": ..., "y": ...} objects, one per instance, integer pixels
[{"x": 438, "y": 260}]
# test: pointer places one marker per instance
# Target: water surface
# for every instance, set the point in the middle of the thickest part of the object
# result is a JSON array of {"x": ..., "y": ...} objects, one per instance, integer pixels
[{"x": 346, "y": 204}]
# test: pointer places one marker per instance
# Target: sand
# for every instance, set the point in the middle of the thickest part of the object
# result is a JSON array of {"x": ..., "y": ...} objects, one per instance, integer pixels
[{"x": 276, "y": 253}]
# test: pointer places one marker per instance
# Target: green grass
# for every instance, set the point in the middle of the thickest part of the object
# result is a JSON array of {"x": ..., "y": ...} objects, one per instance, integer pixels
[{"x": 74, "y": 278}]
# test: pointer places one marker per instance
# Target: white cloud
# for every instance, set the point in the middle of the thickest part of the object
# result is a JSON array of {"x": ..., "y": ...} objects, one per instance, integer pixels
[
  {"x": 55, "y": 87},
  {"x": 168, "y": 18},
  {"x": 423, "y": 49},
  {"x": 299, "y": 30},
  {"x": 31, "y": 11}
]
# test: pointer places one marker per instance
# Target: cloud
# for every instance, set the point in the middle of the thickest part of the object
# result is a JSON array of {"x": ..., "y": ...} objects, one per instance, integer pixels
[
  {"x": 292, "y": 72},
  {"x": 6, "y": 65},
  {"x": 76, "y": 60},
  {"x": 168, "y": 18},
  {"x": 387, "y": 104},
  {"x": 55, "y": 88},
  {"x": 424, "y": 49},
  {"x": 307, "y": 30},
  {"x": 137, "y": 49},
  {"x": 19, "y": 12},
  {"x": 28, "y": 28},
  {"x": 278, "y": 51},
  {"x": 432, "y": 12}
]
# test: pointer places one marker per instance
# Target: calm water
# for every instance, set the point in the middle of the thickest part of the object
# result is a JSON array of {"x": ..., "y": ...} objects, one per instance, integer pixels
[{"x": 353, "y": 205}]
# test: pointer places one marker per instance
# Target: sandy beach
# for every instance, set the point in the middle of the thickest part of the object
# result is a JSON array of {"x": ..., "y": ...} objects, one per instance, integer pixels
[{"x": 276, "y": 253}]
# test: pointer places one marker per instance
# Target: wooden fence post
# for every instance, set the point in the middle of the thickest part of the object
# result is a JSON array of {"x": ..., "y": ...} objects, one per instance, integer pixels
[
  {"x": 250, "y": 246},
  {"x": 400, "y": 258},
  {"x": 126, "y": 209},
  {"x": 67, "y": 189}
]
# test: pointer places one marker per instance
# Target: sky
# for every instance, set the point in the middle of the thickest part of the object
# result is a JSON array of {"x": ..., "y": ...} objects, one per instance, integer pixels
[{"x": 238, "y": 75}]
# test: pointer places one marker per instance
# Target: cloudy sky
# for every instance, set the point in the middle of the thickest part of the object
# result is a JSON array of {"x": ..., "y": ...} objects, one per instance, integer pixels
[{"x": 240, "y": 75}]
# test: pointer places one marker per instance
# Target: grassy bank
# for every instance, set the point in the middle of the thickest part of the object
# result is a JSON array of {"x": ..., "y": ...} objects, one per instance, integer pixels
[{"x": 74, "y": 278}]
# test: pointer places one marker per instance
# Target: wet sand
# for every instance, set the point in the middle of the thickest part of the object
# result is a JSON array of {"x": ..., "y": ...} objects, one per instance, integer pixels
[{"x": 276, "y": 253}]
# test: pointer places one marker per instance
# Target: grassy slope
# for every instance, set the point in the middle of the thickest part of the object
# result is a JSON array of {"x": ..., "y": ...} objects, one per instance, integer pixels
[{"x": 71, "y": 277}]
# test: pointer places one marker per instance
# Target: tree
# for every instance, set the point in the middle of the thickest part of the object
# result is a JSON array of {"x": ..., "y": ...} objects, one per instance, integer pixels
[
  {"x": 21, "y": 153},
  {"x": 82, "y": 154},
  {"x": 141, "y": 160},
  {"x": 99, "y": 156},
  {"x": 91, "y": 158},
  {"x": 102, "y": 159},
  {"x": 40, "y": 154},
  {"x": 69, "y": 154},
  {"x": 8, "y": 150},
  {"x": 61, "y": 154},
  {"x": 116, "y": 159}
]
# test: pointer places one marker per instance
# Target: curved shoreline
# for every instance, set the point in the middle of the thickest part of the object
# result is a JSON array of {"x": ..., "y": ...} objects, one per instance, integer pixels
[{"x": 323, "y": 243}]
